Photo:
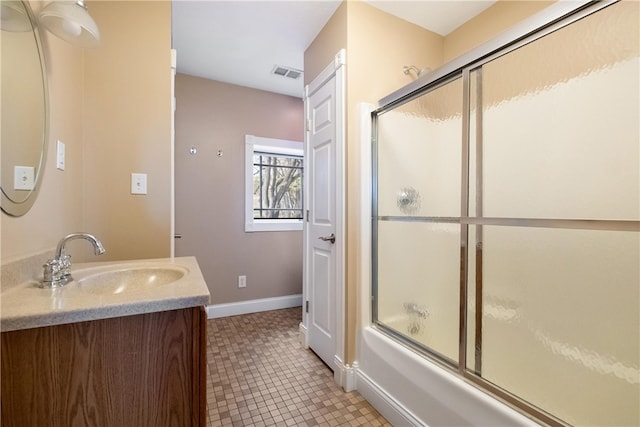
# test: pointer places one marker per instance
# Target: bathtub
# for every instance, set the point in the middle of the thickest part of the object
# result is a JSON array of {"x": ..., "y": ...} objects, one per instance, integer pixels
[{"x": 409, "y": 390}]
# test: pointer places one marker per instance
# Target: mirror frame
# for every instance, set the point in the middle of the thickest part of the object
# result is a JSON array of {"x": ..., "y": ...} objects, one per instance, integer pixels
[{"x": 9, "y": 206}]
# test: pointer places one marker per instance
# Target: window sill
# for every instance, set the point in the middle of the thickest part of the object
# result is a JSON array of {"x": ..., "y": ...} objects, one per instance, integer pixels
[{"x": 266, "y": 225}]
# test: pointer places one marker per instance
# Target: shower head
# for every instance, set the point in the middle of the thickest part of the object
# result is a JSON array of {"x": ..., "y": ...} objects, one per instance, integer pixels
[{"x": 419, "y": 72}]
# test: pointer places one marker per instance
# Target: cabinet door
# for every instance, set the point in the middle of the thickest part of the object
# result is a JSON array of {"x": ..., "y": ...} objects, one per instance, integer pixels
[{"x": 141, "y": 370}]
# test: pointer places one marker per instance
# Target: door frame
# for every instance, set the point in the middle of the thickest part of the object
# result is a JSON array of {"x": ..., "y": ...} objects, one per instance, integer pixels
[
  {"x": 337, "y": 69},
  {"x": 172, "y": 166}
]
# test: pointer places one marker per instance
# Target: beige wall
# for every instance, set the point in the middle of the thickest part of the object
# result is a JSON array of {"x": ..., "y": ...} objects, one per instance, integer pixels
[
  {"x": 328, "y": 42},
  {"x": 111, "y": 107},
  {"x": 127, "y": 129},
  {"x": 210, "y": 190},
  {"x": 58, "y": 207},
  {"x": 488, "y": 24}
]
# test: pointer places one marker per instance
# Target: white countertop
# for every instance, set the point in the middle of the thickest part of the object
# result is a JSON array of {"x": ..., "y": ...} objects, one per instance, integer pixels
[{"x": 25, "y": 305}]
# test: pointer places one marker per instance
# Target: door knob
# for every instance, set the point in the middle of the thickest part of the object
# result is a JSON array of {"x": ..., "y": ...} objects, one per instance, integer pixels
[{"x": 331, "y": 238}]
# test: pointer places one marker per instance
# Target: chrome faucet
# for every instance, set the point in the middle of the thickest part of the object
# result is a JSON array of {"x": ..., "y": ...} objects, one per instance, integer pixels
[{"x": 57, "y": 271}]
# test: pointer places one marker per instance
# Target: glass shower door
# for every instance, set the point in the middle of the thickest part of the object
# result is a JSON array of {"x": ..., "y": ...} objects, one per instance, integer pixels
[
  {"x": 417, "y": 220},
  {"x": 554, "y": 203}
]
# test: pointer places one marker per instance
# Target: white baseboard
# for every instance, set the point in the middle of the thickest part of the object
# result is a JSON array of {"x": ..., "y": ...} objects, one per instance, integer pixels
[
  {"x": 339, "y": 371},
  {"x": 351, "y": 378},
  {"x": 345, "y": 375},
  {"x": 253, "y": 306},
  {"x": 384, "y": 403}
]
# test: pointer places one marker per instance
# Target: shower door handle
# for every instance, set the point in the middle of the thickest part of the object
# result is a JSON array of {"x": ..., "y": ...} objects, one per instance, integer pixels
[{"x": 331, "y": 238}]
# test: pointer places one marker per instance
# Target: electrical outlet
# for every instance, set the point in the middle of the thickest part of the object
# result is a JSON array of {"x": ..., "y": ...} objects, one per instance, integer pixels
[{"x": 242, "y": 281}]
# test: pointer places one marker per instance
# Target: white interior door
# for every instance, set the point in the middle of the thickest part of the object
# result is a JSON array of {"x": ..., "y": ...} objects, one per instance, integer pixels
[{"x": 321, "y": 229}]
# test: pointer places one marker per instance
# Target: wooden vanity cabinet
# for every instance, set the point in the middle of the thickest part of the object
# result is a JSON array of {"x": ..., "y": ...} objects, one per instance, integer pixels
[{"x": 139, "y": 370}]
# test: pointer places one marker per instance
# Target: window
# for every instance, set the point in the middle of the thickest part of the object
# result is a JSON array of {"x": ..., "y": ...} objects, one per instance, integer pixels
[{"x": 273, "y": 184}]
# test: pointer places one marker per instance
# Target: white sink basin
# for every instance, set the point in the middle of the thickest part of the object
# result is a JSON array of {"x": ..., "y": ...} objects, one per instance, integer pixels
[{"x": 128, "y": 280}]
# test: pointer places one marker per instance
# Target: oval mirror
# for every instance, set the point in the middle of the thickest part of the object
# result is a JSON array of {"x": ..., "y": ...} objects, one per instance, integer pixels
[{"x": 24, "y": 108}]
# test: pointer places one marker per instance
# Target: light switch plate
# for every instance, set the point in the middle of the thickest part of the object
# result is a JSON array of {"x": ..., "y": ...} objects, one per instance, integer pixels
[
  {"x": 60, "y": 155},
  {"x": 138, "y": 183},
  {"x": 23, "y": 178}
]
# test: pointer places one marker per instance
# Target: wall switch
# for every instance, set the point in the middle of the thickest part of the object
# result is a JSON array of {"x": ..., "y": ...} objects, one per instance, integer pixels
[
  {"x": 60, "y": 155},
  {"x": 23, "y": 178},
  {"x": 138, "y": 183},
  {"x": 242, "y": 281}
]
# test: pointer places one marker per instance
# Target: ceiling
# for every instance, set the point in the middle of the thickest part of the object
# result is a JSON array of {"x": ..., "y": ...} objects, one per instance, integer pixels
[{"x": 242, "y": 41}]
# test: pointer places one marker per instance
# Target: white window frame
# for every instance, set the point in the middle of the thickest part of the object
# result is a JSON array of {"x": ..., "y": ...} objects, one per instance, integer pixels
[{"x": 266, "y": 145}]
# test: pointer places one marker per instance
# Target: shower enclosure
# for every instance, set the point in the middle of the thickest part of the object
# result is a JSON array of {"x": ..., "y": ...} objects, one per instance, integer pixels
[{"x": 505, "y": 219}]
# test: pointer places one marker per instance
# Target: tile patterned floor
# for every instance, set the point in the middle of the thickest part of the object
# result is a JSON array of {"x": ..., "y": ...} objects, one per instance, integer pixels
[{"x": 259, "y": 375}]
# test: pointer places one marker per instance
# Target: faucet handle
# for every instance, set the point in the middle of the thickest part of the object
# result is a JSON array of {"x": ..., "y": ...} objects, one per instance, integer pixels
[
  {"x": 51, "y": 270},
  {"x": 56, "y": 272},
  {"x": 64, "y": 264}
]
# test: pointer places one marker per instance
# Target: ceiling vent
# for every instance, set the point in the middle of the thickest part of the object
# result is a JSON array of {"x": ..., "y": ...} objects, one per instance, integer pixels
[{"x": 292, "y": 73}]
